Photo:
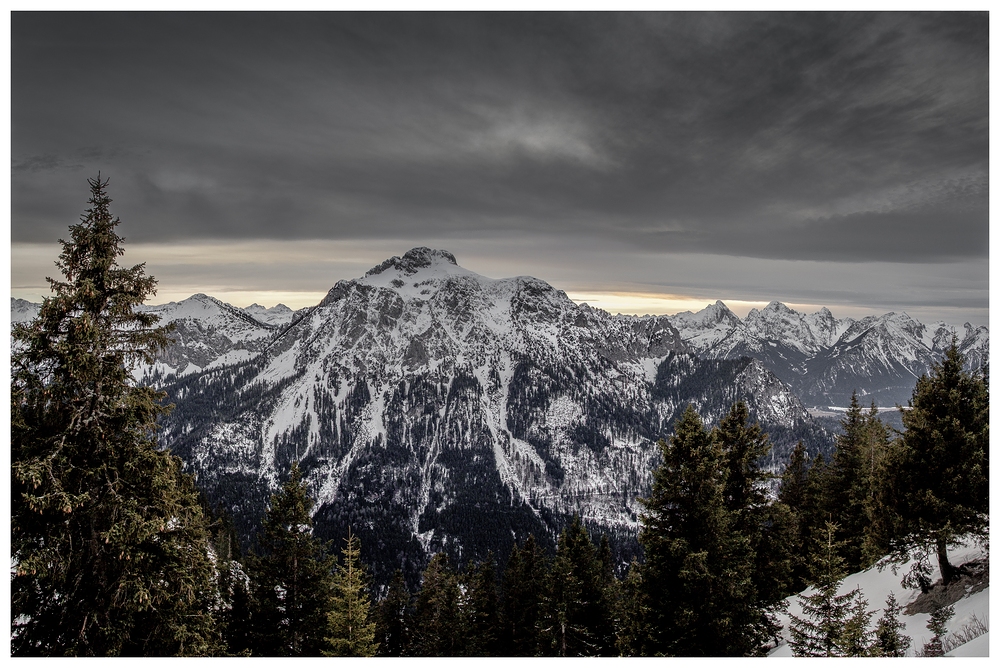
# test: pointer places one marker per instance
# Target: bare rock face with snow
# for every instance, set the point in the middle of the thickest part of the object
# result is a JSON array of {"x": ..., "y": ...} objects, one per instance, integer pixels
[
  {"x": 22, "y": 310},
  {"x": 206, "y": 333},
  {"x": 824, "y": 359}
]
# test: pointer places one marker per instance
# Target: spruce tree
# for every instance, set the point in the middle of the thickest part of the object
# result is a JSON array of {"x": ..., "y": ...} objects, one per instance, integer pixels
[
  {"x": 790, "y": 518},
  {"x": 850, "y": 483},
  {"x": 699, "y": 597},
  {"x": 937, "y": 625},
  {"x": 759, "y": 532},
  {"x": 889, "y": 639},
  {"x": 880, "y": 517},
  {"x": 813, "y": 516},
  {"x": 109, "y": 543},
  {"x": 481, "y": 610},
  {"x": 524, "y": 582},
  {"x": 292, "y": 581},
  {"x": 352, "y": 629},
  {"x": 856, "y": 638},
  {"x": 577, "y": 611},
  {"x": 940, "y": 466},
  {"x": 820, "y": 630},
  {"x": 632, "y": 624},
  {"x": 793, "y": 479},
  {"x": 393, "y": 629},
  {"x": 437, "y": 616},
  {"x": 832, "y": 624}
]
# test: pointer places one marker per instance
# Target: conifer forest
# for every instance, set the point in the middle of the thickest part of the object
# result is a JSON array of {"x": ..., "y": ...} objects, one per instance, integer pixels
[{"x": 116, "y": 551}]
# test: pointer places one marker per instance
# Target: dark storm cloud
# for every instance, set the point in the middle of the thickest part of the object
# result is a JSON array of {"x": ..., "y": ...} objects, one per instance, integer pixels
[{"x": 852, "y": 137}]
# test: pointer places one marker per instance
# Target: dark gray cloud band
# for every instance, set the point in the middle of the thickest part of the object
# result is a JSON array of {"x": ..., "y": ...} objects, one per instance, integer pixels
[{"x": 838, "y": 137}]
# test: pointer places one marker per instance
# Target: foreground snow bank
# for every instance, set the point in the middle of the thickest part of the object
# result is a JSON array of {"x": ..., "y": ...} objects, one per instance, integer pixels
[{"x": 876, "y": 585}]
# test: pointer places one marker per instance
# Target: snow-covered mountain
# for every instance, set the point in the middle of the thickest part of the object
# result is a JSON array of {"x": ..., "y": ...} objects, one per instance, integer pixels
[
  {"x": 279, "y": 315},
  {"x": 207, "y": 333},
  {"x": 22, "y": 310},
  {"x": 824, "y": 359},
  {"x": 432, "y": 408}
]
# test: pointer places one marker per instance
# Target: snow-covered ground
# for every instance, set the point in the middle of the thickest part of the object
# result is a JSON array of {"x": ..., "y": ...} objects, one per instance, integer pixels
[{"x": 876, "y": 585}]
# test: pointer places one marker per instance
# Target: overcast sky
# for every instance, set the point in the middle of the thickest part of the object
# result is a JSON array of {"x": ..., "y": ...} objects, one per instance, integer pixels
[{"x": 669, "y": 159}]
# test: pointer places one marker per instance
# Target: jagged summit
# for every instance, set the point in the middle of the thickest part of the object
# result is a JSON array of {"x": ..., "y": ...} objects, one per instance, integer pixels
[
  {"x": 414, "y": 259},
  {"x": 778, "y": 307}
]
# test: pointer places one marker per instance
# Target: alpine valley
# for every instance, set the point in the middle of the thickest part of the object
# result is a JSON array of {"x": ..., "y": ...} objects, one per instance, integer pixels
[{"x": 434, "y": 409}]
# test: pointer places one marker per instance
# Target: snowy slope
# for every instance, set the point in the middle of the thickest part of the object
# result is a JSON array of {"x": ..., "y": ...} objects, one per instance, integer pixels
[
  {"x": 22, "y": 311},
  {"x": 207, "y": 333},
  {"x": 876, "y": 585}
]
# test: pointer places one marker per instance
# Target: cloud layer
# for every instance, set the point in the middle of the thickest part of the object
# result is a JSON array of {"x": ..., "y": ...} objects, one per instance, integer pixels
[{"x": 841, "y": 138}]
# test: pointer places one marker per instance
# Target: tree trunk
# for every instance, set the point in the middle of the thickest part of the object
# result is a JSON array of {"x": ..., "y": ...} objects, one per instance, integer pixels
[{"x": 947, "y": 570}]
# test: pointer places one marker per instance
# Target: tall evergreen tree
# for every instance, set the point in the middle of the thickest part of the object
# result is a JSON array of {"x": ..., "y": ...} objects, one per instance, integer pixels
[
  {"x": 437, "y": 615},
  {"x": 940, "y": 466},
  {"x": 109, "y": 543},
  {"x": 765, "y": 529},
  {"x": 880, "y": 517},
  {"x": 352, "y": 628},
  {"x": 481, "y": 610},
  {"x": 793, "y": 479},
  {"x": 821, "y": 629},
  {"x": 699, "y": 596},
  {"x": 577, "y": 612},
  {"x": 791, "y": 516},
  {"x": 524, "y": 582},
  {"x": 632, "y": 629},
  {"x": 393, "y": 628},
  {"x": 292, "y": 581},
  {"x": 743, "y": 446},
  {"x": 856, "y": 638},
  {"x": 850, "y": 483},
  {"x": 813, "y": 516}
]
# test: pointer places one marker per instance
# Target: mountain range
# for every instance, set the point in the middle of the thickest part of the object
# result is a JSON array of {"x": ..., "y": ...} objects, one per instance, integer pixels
[{"x": 434, "y": 409}]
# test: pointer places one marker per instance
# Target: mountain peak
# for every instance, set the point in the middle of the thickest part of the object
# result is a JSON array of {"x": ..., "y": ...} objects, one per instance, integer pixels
[
  {"x": 777, "y": 307},
  {"x": 414, "y": 259}
]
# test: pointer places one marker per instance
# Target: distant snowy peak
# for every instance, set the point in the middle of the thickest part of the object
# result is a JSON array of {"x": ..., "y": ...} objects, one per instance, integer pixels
[
  {"x": 717, "y": 314},
  {"x": 206, "y": 333},
  {"x": 424, "y": 306},
  {"x": 276, "y": 315},
  {"x": 706, "y": 328},
  {"x": 22, "y": 310},
  {"x": 805, "y": 333},
  {"x": 823, "y": 358},
  {"x": 235, "y": 322}
]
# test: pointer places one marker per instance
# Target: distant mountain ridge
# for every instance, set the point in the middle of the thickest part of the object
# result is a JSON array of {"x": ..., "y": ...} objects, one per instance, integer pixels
[{"x": 824, "y": 359}]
